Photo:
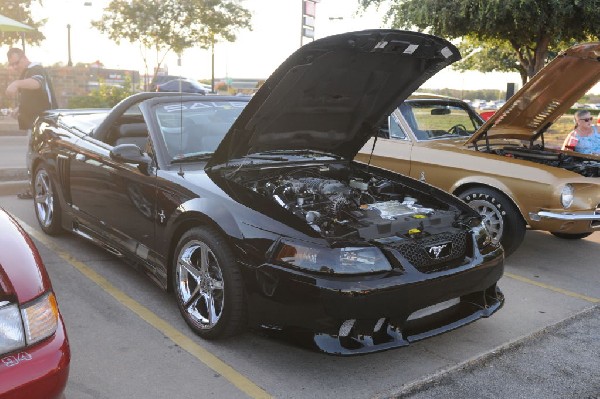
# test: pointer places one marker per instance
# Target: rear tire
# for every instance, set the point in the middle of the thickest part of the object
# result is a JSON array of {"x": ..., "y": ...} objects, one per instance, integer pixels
[
  {"x": 568, "y": 236},
  {"x": 500, "y": 215},
  {"x": 208, "y": 284},
  {"x": 46, "y": 202}
]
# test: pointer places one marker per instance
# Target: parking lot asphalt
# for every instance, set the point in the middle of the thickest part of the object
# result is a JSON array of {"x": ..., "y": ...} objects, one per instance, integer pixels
[
  {"x": 560, "y": 361},
  {"x": 544, "y": 343}
]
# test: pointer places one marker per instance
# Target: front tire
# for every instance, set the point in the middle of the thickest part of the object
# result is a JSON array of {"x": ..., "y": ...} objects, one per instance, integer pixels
[
  {"x": 46, "y": 202},
  {"x": 568, "y": 236},
  {"x": 501, "y": 217},
  {"x": 208, "y": 284}
]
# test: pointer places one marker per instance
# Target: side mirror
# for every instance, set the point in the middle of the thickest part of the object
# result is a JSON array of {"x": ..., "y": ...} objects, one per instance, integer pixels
[{"x": 130, "y": 153}]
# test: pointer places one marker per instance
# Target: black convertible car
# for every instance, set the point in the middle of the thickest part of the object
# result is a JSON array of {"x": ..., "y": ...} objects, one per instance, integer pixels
[{"x": 254, "y": 213}]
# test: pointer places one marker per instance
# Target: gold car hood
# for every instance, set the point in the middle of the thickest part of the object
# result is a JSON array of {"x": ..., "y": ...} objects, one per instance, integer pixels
[{"x": 548, "y": 95}]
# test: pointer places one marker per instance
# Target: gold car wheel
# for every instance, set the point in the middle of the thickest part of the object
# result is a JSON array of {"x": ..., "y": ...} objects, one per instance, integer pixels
[
  {"x": 500, "y": 215},
  {"x": 491, "y": 218}
]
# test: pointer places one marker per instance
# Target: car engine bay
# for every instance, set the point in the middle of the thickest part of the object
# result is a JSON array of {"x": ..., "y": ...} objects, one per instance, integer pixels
[
  {"x": 350, "y": 204},
  {"x": 583, "y": 166}
]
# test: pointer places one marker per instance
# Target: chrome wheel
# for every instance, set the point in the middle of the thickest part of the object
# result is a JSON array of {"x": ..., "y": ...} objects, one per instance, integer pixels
[
  {"x": 46, "y": 202},
  {"x": 199, "y": 284},
  {"x": 43, "y": 199},
  {"x": 492, "y": 218}
]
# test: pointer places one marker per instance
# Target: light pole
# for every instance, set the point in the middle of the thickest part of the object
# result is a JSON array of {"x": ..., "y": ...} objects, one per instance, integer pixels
[
  {"x": 212, "y": 64},
  {"x": 69, "y": 63}
]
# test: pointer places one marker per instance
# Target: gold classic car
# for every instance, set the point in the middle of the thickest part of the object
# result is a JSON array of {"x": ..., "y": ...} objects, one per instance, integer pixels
[{"x": 502, "y": 167}]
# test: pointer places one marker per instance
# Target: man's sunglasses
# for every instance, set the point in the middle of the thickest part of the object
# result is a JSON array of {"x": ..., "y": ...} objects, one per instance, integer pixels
[{"x": 587, "y": 119}]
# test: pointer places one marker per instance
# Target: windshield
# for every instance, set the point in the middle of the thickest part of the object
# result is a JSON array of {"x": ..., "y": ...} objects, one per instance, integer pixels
[
  {"x": 433, "y": 119},
  {"x": 85, "y": 123},
  {"x": 197, "y": 127}
]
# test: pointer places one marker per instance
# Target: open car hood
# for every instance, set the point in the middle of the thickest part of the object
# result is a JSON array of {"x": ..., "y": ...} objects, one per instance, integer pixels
[
  {"x": 548, "y": 95},
  {"x": 331, "y": 94}
]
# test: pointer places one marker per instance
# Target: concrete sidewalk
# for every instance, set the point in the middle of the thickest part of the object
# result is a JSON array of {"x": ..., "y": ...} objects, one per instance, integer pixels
[{"x": 13, "y": 144}]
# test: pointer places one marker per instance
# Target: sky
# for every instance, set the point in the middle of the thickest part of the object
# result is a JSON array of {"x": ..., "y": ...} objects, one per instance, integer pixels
[{"x": 275, "y": 35}]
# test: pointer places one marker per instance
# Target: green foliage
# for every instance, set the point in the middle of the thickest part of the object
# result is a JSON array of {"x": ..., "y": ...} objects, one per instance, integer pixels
[
  {"x": 500, "y": 35},
  {"x": 153, "y": 24},
  {"x": 105, "y": 96},
  {"x": 172, "y": 25},
  {"x": 20, "y": 10},
  {"x": 210, "y": 21}
]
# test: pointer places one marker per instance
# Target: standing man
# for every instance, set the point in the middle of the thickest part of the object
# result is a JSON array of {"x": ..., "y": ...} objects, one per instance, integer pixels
[{"x": 34, "y": 94}]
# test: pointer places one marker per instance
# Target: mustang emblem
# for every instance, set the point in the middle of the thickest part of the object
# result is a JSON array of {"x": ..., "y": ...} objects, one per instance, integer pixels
[{"x": 438, "y": 251}]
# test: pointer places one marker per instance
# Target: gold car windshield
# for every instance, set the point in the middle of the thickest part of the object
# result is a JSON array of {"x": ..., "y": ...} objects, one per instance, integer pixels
[{"x": 431, "y": 120}]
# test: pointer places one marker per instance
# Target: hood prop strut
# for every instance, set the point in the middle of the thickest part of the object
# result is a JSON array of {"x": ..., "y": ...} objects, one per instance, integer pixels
[{"x": 372, "y": 150}]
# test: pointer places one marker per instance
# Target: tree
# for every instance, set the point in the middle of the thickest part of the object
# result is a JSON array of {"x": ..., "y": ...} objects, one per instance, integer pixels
[
  {"x": 210, "y": 21},
  {"x": 171, "y": 25},
  {"x": 502, "y": 35},
  {"x": 20, "y": 10}
]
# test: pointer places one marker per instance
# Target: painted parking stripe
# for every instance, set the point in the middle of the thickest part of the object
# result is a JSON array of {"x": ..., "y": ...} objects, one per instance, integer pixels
[
  {"x": 210, "y": 360},
  {"x": 552, "y": 288}
]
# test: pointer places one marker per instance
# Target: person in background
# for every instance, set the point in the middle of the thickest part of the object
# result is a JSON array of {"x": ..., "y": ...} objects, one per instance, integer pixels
[
  {"x": 34, "y": 94},
  {"x": 585, "y": 137}
]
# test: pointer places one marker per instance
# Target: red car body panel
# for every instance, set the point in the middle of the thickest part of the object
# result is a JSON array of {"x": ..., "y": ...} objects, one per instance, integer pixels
[{"x": 40, "y": 370}]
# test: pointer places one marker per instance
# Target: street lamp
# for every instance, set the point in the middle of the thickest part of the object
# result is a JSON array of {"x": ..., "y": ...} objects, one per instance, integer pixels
[{"x": 69, "y": 63}]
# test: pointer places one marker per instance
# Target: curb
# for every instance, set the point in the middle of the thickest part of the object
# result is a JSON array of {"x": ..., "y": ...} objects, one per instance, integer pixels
[
  {"x": 13, "y": 187},
  {"x": 13, "y": 181},
  {"x": 13, "y": 174}
]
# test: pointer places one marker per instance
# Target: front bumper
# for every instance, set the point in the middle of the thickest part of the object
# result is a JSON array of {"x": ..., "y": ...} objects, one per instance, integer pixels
[
  {"x": 357, "y": 315},
  {"x": 568, "y": 222},
  {"x": 39, "y": 371},
  {"x": 567, "y": 216}
]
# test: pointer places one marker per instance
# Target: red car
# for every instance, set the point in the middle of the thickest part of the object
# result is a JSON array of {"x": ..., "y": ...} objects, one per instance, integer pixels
[{"x": 34, "y": 348}]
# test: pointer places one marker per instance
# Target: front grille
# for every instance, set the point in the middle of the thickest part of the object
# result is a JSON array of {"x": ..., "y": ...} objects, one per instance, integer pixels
[{"x": 421, "y": 252}]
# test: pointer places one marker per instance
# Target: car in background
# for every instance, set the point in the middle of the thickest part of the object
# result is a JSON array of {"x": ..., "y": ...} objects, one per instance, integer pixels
[
  {"x": 253, "y": 213},
  {"x": 34, "y": 348},
  {"x": 485, "y": 115},
  {"x": 183, "y": 86},
  {"x": 501, "y": 167}
]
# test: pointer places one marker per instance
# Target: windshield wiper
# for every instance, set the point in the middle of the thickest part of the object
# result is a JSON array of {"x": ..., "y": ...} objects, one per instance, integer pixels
[
  {"x": 268, "y": 157},
  {"x": 205, "y": 156}
]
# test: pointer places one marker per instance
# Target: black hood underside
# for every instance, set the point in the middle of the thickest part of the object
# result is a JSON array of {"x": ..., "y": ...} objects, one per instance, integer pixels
[{"x": 331, "y": 94}]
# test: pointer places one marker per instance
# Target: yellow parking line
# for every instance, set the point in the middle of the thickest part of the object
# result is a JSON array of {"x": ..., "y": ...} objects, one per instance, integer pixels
[
  {"x": 210, "y": 360},
  {"x": 552, "y": 288}
]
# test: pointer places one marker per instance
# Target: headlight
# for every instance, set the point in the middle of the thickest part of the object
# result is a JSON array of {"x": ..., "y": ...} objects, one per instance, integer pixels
[
  {"x": 348, "y": 260},
  {"x": 566, "y": 196},
  {"x": 11, "y": 329},
  {"x": 37, "y": 320}
]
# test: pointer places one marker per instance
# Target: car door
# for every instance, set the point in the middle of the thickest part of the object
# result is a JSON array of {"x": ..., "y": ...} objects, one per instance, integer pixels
[
  {"x": 115, "y": 199},
  {"x": 439, "y": 156}
]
